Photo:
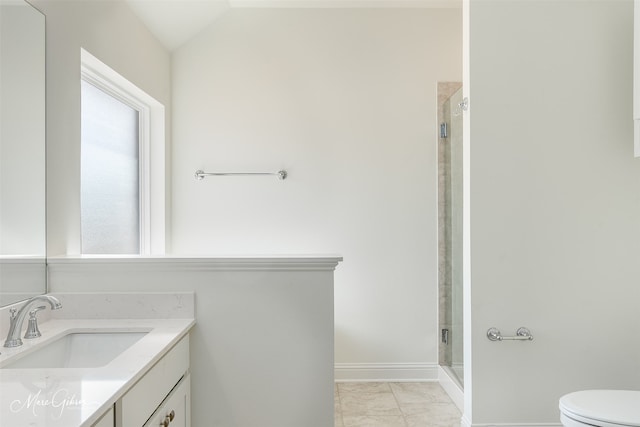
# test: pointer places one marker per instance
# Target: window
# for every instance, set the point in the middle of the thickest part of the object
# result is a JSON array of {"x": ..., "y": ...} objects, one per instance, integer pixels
[
  {"x": 122, "y": 152},
  {"x": 110, "y": 181}
]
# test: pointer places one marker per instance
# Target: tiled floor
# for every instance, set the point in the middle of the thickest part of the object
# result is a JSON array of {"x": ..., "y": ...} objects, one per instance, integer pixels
[{"x": 394, "y": 405}]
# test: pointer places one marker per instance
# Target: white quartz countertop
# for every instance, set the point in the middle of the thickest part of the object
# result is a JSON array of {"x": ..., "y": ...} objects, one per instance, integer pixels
[{"x": 66, "y": 397}]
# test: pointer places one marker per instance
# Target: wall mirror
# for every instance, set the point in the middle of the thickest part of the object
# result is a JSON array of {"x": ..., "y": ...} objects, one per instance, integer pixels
[{"x": 22, "y": 152}]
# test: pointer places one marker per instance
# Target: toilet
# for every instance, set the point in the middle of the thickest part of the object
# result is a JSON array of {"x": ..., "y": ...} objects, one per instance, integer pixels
[{"x": 600, "y": 408}]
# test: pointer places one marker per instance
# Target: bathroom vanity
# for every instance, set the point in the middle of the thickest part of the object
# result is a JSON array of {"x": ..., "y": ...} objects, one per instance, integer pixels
[
  {"x": 88, "y": 371},
  {"x": 263, "y": 348}
]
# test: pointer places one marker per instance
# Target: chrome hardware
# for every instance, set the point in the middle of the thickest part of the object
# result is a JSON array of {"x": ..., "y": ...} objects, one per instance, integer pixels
[
  {"x": 461, "y": 107},
  {"x": 12, "y": 316},
  {"x": 522, "y": 334},
  {"x": 200, "y": 174},
  {"x": 443, "y": 130},
  {"x": 17, "y": 319},
  {"x": 464, "y": 105},
  {"x": 445, "y": 336},
  {"x": 172, "y": 415},
  {"x": 32, "y": 327}
]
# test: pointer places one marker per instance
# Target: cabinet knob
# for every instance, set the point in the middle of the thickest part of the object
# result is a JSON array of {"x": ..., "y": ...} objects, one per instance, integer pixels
[
  {"x": 171, "y": 415},
  {"x": 165, "y": 423}
]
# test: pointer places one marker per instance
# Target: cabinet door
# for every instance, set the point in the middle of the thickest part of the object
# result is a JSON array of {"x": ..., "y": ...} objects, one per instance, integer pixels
[
  {"x": 107, "y": 420},
  {"x": 175, "y": 411},
  {"x": 151, "y": 391}
]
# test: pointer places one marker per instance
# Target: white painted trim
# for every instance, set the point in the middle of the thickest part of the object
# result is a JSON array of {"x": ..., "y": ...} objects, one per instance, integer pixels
[
  {"x": 636, "y": 138},
  {"x": 467, "y": 315},
  {"x": 22, "y": 259},
  {"x": 151, "y": 151},
  {"x": 451, "y": 386},
  {"x": 93, "y": 263},
  {"x": 385, "y": 372},
  {"x": 348, "y": 4},
  {"x": 465, "y": 423},
  {"x": 636, "y": 78}
]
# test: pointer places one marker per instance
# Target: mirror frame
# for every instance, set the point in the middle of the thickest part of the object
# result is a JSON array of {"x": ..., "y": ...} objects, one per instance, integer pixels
[{"x": 22, "y": 258}]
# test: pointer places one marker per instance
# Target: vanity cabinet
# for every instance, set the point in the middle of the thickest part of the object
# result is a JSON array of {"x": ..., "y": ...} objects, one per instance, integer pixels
[
  {"x": 174, "y": 411},
  {"x": 160, "y": 398},
  {"x": 153, "y": 391},
  {"x": 107, "y": 419}
]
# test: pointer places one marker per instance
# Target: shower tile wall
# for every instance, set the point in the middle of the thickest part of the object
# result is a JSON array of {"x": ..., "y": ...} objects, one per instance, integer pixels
[{"x": 445, "y": 90}]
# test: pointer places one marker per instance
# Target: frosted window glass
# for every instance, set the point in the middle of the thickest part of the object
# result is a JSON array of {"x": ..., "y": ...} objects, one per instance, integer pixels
[{"x": 110, "y": 208}]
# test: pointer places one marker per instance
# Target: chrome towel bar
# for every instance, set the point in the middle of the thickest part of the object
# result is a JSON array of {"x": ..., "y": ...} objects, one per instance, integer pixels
[
  {"x": 282, "y": 174},
  {"x": 522, "y": 334}
]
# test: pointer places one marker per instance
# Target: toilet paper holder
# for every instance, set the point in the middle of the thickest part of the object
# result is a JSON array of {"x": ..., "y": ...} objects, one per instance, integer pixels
[{"x": 522, "y": 334}]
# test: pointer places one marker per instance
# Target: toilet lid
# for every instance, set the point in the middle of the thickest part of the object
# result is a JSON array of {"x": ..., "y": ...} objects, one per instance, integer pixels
[{"x": 603, "y": 407}]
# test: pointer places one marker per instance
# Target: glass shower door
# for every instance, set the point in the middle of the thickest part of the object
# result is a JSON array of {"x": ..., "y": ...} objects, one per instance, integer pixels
[
  {"x": 455, "y": 146},
  {"x": 450, "y": 231}
]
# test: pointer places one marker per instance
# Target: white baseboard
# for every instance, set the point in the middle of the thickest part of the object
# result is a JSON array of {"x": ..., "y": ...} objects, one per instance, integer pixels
[
  {"x": 465, "y": 423},
  {"x": 452, "y": 388},
  {"x": 385, "y": 372}
]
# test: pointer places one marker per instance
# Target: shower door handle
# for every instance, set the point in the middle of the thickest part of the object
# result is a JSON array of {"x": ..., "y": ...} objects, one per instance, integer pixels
[{"x": 522, "y": 334}]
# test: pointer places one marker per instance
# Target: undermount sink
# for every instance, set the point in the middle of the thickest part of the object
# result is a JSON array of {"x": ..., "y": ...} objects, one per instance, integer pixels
[{"x": 77, "y": 350}]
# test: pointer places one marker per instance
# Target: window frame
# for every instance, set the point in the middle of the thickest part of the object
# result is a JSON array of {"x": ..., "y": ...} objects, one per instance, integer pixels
[{"x": 151, "y": 168}]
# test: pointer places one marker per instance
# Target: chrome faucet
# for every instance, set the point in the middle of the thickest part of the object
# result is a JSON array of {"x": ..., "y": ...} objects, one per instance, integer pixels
[{"x": 17, "y": 319}]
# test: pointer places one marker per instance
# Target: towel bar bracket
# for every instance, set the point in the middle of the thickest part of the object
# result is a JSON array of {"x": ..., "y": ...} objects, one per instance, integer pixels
[{"x": 522, "y": 334}]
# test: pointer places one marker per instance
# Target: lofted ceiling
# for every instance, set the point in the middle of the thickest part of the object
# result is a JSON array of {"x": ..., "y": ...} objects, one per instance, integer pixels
[{"x": 175, "y": 21}]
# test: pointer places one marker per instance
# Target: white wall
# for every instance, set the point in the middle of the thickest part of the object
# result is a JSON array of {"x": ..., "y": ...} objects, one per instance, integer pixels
[
  {"x": 345, "y": 100},
  {"x": 112, "y": 33},
  {"x": 555, "y": 205}
]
